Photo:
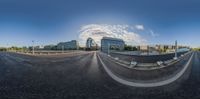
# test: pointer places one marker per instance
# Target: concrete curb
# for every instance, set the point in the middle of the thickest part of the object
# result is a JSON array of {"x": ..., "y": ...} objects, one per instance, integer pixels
[
  {"x": 147, "y": 66},
  {"x": 137, "y": 84}
]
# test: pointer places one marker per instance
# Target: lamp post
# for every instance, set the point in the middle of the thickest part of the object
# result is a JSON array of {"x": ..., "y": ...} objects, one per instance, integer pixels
[
  {"x": 148, "y": 50},
  {"x": 175, "y": 57},
  {"x": 33, "y": 52},
  {"x": 7, "y": 48},
  {"x": 108, "y": 49},
  {"x": 62, "y": 49}
]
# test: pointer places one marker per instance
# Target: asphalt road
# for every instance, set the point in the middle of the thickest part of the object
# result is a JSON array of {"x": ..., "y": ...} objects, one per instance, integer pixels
[
  {"x": 81, "y": 76},
  {"x": 145, "y": 75}
]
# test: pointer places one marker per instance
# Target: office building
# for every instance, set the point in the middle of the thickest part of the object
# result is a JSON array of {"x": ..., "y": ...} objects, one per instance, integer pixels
[
  {"x": 112, "y": 44},
  {"x": 91, "y": 44},
  {"x": 71, "y": 45}
]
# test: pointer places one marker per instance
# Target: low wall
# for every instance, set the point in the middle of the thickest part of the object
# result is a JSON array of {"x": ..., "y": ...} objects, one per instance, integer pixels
[{"x": 146, "y": 58}]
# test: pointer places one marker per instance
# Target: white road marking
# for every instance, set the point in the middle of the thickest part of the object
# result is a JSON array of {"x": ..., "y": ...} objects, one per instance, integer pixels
[{"x": 155, "y": 84}]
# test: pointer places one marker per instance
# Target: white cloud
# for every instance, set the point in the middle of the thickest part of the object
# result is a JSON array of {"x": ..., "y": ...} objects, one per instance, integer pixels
[
  {"x": 97, "y": 31},
  {"x": 139, "y": 27},
  {"x": 153, "y": 34}
]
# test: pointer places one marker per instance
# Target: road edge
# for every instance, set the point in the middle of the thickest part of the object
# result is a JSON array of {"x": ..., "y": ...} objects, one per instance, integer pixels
[{"x": 137, "y": 84}]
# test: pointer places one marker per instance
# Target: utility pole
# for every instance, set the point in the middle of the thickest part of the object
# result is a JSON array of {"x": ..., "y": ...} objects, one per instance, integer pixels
[{"x": 33, "y": 52}]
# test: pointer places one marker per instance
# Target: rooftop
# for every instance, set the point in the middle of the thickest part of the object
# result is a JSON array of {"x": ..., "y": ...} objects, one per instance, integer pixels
[{"x": 110, "y": 38}]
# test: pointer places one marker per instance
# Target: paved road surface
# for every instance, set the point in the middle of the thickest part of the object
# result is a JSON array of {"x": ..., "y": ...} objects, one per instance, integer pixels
[{"x": 81, "y": 77}]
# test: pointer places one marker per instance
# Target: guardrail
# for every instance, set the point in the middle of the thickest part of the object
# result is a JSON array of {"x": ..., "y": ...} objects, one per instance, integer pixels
[
  {"x": 147, "y": 58},
  {"x": 146, "y": 66},
  {"x": 154, "y": 83}
]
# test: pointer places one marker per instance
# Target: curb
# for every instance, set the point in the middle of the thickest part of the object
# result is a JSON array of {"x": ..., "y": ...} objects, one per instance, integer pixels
[
  {"x": 147, "y": 66},
  {"x": 155, "y": 84}
]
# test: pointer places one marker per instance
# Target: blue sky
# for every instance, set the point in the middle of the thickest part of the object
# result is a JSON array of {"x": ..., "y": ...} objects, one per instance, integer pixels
[{"x": 52, "y": 21}]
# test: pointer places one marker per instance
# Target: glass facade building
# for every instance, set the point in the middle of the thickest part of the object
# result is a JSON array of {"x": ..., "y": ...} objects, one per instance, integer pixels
[
  {"x": 91, "y": 44},
  {"x": 112, "y": 43},
  {"x": 71, "y": 45}
]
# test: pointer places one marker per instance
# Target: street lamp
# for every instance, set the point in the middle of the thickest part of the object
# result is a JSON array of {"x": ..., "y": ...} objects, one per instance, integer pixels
[
  {"x": 175, "y": 57},
  {"x": 108, "y": 49},
  {"x": 62, "y": 49},
  {"x": 7, "y": 48},
  {"x": 33, "y": 52}
]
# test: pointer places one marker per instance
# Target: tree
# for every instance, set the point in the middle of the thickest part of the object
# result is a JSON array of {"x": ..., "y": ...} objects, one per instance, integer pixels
[
  {"x": 130, "y": 48},
  {"x": 3, "y": 49},
  {"x": 134, "y": 49}
]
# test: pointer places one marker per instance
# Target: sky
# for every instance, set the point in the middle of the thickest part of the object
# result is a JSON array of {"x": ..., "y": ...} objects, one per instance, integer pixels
[{"x": 137, "y": 22}]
